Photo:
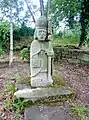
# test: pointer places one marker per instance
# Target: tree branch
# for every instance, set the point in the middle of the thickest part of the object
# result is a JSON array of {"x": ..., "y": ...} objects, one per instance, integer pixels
[
  {"x": 41, "y": 7},
  {"x": 30, "y": 11}
]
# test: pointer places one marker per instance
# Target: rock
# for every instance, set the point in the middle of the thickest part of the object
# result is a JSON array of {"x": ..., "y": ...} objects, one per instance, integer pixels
[{"x": 84, "y": 57}]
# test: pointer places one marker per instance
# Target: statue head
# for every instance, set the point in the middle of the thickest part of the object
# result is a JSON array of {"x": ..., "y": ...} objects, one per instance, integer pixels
[{"x": 41, "y": 28}]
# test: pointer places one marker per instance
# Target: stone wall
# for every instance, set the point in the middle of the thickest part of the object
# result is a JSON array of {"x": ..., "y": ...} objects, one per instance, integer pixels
[{"x": 72, "y": 55}]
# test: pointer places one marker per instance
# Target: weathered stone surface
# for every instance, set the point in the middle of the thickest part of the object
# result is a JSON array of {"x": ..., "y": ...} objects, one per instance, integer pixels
[
  {"x": 43, "y": 93},
  {"x": 46, "y": 113},
  {"x": 84, "y": 57}
]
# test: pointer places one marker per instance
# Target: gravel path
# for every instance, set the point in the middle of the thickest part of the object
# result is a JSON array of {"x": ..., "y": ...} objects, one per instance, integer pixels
[{"x": 77, "y": 77}]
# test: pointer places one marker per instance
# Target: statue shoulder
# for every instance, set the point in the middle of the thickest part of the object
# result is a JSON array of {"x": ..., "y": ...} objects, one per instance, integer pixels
[
  {"x": 35, "y": 42},
  {"x": 35, "y": 47}
]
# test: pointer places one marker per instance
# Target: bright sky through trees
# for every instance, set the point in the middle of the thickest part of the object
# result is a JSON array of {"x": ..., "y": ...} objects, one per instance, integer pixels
[
  {"x": 23, "y": 12},
  {"x": 36, "y": 3}
]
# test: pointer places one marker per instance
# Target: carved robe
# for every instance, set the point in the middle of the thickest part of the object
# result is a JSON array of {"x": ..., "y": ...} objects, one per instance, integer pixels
[{"x": 39, "y": 63}]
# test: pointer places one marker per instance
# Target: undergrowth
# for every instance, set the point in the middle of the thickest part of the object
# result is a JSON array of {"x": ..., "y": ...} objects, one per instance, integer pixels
[
  {"x": 14, "y": 104},
  {"x": 79, "y": 111}
]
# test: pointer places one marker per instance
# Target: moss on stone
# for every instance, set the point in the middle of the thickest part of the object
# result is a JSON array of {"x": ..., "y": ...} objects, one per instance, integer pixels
[{"x": 50, "y": 101}]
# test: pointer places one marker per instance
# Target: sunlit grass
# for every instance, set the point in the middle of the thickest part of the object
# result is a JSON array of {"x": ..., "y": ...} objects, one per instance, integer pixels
[{"x": 64, "y": 41}]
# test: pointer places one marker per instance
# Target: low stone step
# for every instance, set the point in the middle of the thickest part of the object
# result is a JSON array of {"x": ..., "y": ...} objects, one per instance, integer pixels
[{"x": 44, "y": 94}]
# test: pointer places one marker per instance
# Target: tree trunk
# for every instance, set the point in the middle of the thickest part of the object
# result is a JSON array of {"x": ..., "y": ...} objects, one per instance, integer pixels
[
  {"x": 11, "y": 39},
  {"x": 84, "y": 21}
]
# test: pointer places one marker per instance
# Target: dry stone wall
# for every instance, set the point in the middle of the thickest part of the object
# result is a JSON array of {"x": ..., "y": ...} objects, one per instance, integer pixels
[{"x": 72, "y": 55}]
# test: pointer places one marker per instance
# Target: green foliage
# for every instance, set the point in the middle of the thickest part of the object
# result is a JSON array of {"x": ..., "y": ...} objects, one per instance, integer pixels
[
  {"x": 10, "y": 88},
  {"x": 79, "y": 110},
  {"x": 26, "y": 31},
  {"x": 18, "y": 33},
  {"x": 24, "y": 53},
  {"x": 1, "y": 51},
  {"x": 62, "y": 41},
  {"x": 64, "y": 9},
  {"x": 22, "y": 32},
  {"x": 4, "y": 33},
  {"x": 16, "y": 104},
  {"x": 68, "y": 10}
]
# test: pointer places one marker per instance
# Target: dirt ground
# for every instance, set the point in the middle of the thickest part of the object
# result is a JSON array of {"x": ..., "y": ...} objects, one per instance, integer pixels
[{"x": 75, "y": 76}]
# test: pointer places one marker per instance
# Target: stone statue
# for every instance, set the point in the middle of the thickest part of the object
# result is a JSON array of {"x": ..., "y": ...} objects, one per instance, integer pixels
[{"x": 41, "y": 54}]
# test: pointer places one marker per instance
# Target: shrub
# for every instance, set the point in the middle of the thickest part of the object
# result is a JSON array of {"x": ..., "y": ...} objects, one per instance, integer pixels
[
  {"x": 24, "y": 53},
  {"x": 4, "y": 33}
]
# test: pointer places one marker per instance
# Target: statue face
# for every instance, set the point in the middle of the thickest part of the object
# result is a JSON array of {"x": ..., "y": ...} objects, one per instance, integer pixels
[{"x": 41, "y": 34}]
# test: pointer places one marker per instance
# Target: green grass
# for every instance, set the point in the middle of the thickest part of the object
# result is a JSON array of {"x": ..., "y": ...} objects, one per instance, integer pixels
[
  {"x": 65, "y": 41},
  {"x": 79, "y": 110}
]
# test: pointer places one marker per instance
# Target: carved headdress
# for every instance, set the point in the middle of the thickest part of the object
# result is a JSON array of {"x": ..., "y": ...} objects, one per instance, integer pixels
[{"x": 41, "y": 22}]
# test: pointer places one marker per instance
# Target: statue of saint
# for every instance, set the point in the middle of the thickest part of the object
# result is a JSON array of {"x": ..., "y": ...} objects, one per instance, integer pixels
[{"x": 41, "y": 54}]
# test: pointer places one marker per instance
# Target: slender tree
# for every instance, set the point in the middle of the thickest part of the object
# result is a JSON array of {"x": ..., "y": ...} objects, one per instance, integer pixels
[
  {"x": 7, "y": 8},
  {"x": 7, "y": 5},
  {"x": 11, "y": 38}
]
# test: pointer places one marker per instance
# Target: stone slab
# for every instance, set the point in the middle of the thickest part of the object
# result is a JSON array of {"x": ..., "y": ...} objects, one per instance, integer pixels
[
  {"x": 84, "y": 57},
  {"x": 46, "y": 113},
  {"x": 42, "y": 93}
]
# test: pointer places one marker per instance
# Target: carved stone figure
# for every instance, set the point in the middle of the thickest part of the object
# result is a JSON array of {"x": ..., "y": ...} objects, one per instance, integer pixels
[{"x": 41, "y": 55}]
